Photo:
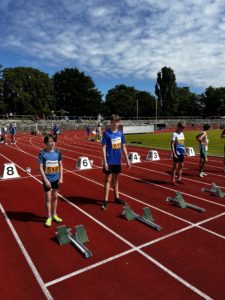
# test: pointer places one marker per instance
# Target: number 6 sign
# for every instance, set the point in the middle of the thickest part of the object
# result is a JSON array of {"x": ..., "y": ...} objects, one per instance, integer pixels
[{"x": 83, "y": 162}]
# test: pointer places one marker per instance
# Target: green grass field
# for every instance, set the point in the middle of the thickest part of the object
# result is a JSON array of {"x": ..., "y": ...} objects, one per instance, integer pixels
[{"x": 163, "y": 140}]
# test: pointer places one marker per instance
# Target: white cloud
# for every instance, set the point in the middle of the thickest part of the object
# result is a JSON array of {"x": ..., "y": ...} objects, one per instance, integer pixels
[{"x": 125, "y": 38}]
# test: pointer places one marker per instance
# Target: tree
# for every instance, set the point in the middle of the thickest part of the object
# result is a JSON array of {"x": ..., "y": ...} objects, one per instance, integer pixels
[
  {"x": 146, "y": 104},
  {"x": 2, "y": 104},
  {"x": 214, "y": 101},
  {"x": 165, "y": 90},
  {"x": 121, "y": 100},
  {"x": 27, "y": 91},
  {"x": 125, "y": 101},
  {"x": 76, "y": 93},
  {"x": 187, "y": 103}
]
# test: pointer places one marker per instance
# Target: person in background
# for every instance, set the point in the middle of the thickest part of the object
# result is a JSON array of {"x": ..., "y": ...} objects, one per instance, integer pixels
[
  {"x": 12, "y": 131},
  {"x": 56, "y": 132},
  {"x": 88, "y": 131},
  {"x": 51, "y": 169},
  {"x": 202, "y": 138},
  {"x": 223, "y": 136},
  {"x": 98, "y": 132},
  {"x": 113, "y": 144},
  {"x": 4, "y": 133},
  {"x": 178, "y": 151}
]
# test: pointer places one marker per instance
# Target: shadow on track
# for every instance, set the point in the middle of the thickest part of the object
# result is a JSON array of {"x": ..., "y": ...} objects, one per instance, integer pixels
[
  {"x": 146, "y": 181},
  {"x": 83, "y": 200},
  {"x": 24, "y": 216}
]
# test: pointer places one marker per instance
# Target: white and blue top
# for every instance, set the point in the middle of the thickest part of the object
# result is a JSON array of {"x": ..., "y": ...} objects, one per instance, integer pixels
[{"x": 178, "y": 139}]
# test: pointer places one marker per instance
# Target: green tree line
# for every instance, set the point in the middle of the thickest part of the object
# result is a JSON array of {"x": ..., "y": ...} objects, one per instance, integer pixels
[{"x": 25, "y": 90}]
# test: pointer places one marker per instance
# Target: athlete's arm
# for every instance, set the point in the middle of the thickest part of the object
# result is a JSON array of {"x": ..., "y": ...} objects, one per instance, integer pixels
[
  {"x": 47, "y": 183},
  {"x": 60, "y": 172},
  {"x": 173, "y": 148},
  {"x": 223, "y": 134},
  {"x": 200, "y": 137},
  {"x": 125, "y": 155},
  {"x": 105, "y": 164}
]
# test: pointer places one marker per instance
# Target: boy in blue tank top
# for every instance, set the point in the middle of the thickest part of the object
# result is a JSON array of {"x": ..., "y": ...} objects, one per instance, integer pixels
[
  {"x": 113, "y": 145},
  {"x": 51, "y": 169}
]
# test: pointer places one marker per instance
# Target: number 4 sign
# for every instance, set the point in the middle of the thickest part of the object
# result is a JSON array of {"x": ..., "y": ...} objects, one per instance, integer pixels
[{"x": 9, "y": 171}]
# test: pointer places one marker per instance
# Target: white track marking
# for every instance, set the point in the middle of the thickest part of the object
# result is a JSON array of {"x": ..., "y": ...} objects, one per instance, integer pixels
[
  {"x": 128, "y": 252},
  {"x": 26, "y": 255},
  {"x": 144, "y": 254}
]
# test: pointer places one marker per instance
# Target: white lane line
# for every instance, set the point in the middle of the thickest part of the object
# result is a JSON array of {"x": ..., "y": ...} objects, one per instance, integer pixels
[
  {"x": 73, "y": 274},
  {"x": 128, "y": 196},
  {"x": 26, "y": 255},
  {"x": 174, "y": 190},
  {"x": 174, "y": 275},
  {"x": 156, "y": 208}
]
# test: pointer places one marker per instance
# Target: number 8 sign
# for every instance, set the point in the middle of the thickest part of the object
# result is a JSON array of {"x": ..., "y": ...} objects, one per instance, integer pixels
[{"x": 9, "y": 171}]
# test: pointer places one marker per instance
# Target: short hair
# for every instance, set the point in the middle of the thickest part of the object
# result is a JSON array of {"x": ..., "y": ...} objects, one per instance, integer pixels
[
  {"x": 206, "y": 126},
  {"x": 180, "y": 124},
  {"x": 115, "y": 117},
  {"x": 48, "y": 137}
]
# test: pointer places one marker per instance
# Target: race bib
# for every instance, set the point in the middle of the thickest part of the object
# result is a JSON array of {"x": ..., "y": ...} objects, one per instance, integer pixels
[
  {"x": 180, "y": 141},
  {"x": 52, "y": 166},
  {"x": 116, "y": 143}
]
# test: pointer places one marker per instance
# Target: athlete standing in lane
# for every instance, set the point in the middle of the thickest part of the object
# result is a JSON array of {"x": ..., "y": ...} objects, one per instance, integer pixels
[
  {"x": 179, "y": 151},
  {"x": 51, "y": 168},
  {"x": 202, "y": 138},
  {"x": 113, "y": 144},
  {"x": 223, "y": 136}
]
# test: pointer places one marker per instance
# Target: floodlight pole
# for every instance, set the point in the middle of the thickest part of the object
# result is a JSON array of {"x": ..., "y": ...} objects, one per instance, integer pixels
[
  {"x": 137, "y": 109},
  {"x": 156, "y": 113}
]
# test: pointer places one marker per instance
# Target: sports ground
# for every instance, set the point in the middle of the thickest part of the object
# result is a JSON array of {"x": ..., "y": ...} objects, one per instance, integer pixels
[{"x": 130, "y": 260}]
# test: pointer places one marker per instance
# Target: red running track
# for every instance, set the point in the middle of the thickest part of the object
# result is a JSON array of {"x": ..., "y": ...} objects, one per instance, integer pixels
[{"x": 185, "y": 260}]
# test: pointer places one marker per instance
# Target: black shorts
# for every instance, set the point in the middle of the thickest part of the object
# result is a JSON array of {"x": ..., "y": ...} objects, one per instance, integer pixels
[
  {"x": 54, "y": 186},
  {"x": 112, "y": 169},
  {"x": 178, "y": 159}
]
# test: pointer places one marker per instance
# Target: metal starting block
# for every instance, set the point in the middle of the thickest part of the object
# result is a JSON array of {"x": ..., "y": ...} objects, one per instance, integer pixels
[
  {"x": 65, "y": 236},
  {"x": 215, "y": 190},
  {"x": 146, "y": 219},
  {"x": 179, "y": 201}
]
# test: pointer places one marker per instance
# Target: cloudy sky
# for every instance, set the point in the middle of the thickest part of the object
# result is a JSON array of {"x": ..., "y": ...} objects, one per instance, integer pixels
[{"x": 118, "y": 41}]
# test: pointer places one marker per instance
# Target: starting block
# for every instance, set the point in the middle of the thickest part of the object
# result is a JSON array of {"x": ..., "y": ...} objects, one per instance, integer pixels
[
  {"x": 179, "y": 201},
  {"x": 134, "y": 157},
  {"x": 153, "y": 155},
  {"x": 65, "y": 236},
  {"x": 146, "y": 219},
  {"x": 215, "y": 190},
  {"x": 83, "y": 163},
  {"x": 190, "y": 151},
  {"x": 9, "y": 171}
]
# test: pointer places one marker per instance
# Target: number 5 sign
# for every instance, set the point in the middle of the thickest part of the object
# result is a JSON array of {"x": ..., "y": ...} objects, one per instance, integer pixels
[
  {"x": 83, "y": 162},
  {"x": 9, "y": 171}
]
